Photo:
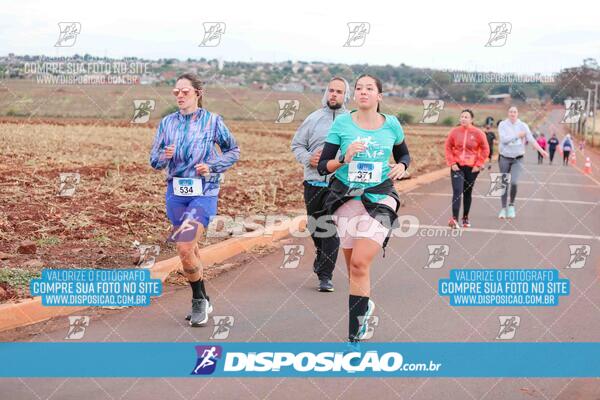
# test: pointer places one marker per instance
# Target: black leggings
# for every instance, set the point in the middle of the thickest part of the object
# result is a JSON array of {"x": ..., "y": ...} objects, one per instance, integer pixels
[
  {"x": 566, "y": 154},
  {"x": 463, "y": 181},
  {"x": 540, "y": 158},
  {"x": 552, "y": 151}
]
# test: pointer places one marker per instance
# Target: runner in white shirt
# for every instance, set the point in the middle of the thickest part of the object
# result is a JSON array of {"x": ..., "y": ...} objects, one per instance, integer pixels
[{"x": 512, "y": 132}]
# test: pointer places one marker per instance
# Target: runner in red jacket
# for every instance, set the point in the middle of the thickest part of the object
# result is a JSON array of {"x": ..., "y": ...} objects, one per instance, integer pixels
[{"x": 466, "y": 151}]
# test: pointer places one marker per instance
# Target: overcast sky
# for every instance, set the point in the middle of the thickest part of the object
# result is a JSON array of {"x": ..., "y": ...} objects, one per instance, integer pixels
[{"x": 448, "y": 35}]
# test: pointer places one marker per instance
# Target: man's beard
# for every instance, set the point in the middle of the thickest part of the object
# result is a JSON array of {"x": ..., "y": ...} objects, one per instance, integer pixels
[{"x": 335, "y": 106}]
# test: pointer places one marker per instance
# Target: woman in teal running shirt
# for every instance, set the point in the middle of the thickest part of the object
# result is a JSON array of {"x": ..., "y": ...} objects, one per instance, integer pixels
[{"x": 362, "y": 198}]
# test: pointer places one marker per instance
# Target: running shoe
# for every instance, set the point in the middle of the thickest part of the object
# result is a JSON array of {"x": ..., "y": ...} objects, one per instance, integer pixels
[
  {"x": 200, "y": 310},
  {"x": 466, "y": 223},
  {"x": 511, "y": 212},
  {"x": 325, "y": 285},
  {"x": 502, "y": 214},
  {"x": 363, "y": 329},
  {"x": 453, "y": 223},
  {"x": 189, "y": 315}
]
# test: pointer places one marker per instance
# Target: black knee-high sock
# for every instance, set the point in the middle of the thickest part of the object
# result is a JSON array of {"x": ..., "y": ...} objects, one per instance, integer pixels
[
  {"x": 357, "y": 307},
  {"x": 198, "y": 290},
  {"x": 204, "y": 291},
  {"x": 513, "y": 194}
]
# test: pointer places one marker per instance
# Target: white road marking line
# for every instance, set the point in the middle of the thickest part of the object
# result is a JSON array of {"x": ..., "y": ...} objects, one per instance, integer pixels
[
  {"x": 542, "y": 183},
  {"x": 575, "y": 173},
  {"x": 504, "y": 232},
  {"x": 524, "y": 199}
]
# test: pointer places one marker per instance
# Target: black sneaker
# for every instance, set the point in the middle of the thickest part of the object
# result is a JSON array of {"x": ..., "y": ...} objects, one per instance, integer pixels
[
  {"x": 466, "y": 223},
  {"x": 325, "y": 285},
  {"x": 200, "y": 310}
]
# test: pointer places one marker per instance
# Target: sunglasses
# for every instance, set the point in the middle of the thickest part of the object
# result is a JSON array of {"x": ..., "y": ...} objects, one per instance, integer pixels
[{"x": 185, "y": 91}]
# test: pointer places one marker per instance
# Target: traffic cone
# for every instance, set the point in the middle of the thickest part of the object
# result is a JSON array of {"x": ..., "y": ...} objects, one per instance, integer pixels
[
  {"x": 573, "y": 159},
  {"x": 587, "y": 167}
]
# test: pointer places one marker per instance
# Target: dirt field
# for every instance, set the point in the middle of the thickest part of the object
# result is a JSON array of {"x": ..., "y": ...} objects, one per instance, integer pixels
[{"x": 29, "y": 100}]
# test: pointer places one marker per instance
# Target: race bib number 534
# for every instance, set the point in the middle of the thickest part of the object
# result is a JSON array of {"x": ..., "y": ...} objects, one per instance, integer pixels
[{"x": 187, "y": 186}]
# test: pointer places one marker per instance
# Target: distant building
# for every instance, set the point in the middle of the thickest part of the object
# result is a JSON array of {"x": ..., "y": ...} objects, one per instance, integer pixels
[
  {"x": 289, "y": 87},
  {"x": 504, "y": 98},
  {"x": 148, "y": 79}
]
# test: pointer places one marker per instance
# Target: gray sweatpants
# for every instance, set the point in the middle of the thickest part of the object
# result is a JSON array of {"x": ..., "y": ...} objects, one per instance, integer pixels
[{"x": 513, "y": 167}]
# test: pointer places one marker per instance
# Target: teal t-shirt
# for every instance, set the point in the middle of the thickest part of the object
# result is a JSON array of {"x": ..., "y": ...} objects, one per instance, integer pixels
[{"x": 370, "y": 167}]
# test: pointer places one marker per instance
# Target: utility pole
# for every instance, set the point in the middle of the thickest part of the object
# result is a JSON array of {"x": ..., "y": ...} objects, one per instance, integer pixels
[
  {"x": 587, "y": 113},
  {"x": 595, "y": 83}
]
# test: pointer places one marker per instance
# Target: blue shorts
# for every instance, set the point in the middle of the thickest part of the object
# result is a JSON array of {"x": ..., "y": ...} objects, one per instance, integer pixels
[{"x": 198, "y": 208}]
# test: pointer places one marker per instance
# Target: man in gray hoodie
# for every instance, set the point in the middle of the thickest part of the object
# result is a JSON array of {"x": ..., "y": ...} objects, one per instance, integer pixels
[{"x": 306, "y": 146}]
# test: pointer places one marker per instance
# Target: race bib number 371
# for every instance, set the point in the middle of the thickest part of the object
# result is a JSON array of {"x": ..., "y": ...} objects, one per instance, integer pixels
[
  {"x": 187, "y": 186},
  {"x": 364, "y": 172}
]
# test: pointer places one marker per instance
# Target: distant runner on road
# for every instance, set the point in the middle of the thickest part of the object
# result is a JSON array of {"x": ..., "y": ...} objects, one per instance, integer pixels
[
  {"x": 553, "y": 142},
  {"x": 567, "y": 147},
  {"x": 490, "y": 136},
  {"x": 466, "y": 151},
  {"x": 513, "y": 132}
]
